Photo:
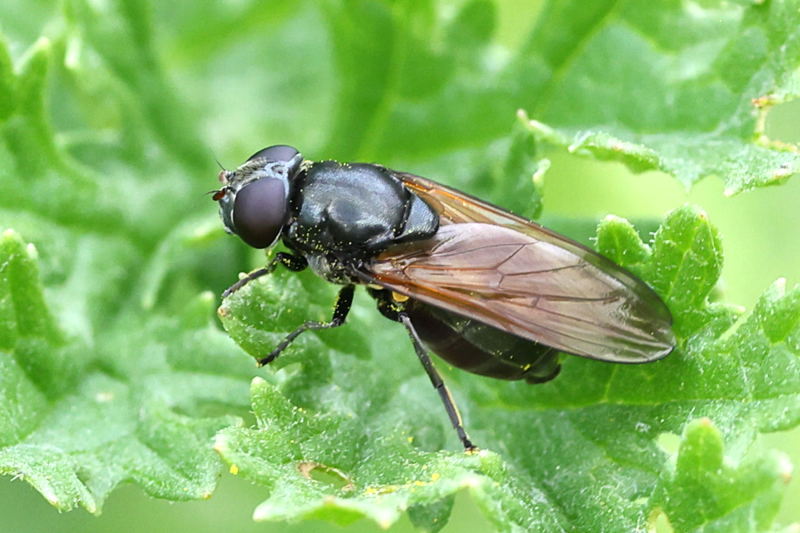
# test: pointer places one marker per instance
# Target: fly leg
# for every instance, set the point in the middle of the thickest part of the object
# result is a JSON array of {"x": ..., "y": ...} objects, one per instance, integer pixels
[
  {"x": 342, "y": 307},
  {"x": 295, "y": 263},
  {"x": 436, "y": 380}
]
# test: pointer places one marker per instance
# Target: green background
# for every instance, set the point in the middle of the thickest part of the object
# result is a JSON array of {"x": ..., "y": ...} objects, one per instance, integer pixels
[{"x": 759, "y": 231}]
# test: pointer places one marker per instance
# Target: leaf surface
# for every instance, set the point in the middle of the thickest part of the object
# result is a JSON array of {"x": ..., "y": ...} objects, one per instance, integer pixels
[{"x": 113, "y": 369}]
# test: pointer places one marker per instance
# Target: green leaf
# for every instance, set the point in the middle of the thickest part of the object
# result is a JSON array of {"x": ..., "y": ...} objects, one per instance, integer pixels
[
  {"x": 7, "y": 84},
  {"x": 682, "y": 90},
  {"x": 290, "y": 444},
  {"x": 618, "y": 240},
  {"x": 705, "y": 490},
  {"x": 586, "y": 443},
  {"x": 98, "y": 389},
  {"x": 673, "y": 86},
  {"x": 75, "y": 430},
  {"x": 113, "y": 368}
]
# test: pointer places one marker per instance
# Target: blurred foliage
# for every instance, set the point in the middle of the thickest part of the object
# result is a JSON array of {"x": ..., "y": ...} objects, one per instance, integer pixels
[{"x": 113, "y": 370}]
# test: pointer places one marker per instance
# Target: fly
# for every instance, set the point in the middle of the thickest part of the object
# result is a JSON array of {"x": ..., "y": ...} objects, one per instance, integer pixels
[{"x": 488, "y": 291}]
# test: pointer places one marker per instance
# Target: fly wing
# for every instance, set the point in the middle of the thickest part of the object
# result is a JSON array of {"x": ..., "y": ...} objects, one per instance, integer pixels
[{"x": 508, "y": 272}]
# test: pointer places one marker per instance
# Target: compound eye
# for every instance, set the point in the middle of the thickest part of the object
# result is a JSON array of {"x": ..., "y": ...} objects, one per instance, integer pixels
[
  {"x": 278, "y": 152},
  {"x": 259, "y": 212}
]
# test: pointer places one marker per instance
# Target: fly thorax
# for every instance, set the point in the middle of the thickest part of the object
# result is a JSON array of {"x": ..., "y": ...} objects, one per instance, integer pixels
[{"x": 330, "y": 269}]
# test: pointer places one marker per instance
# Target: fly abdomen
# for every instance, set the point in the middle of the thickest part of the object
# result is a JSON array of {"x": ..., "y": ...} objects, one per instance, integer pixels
[{"x": 482, "y": 349}]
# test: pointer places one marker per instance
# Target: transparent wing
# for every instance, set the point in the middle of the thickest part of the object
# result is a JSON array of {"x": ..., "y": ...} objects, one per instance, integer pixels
[{"x": 506, "y": 271}]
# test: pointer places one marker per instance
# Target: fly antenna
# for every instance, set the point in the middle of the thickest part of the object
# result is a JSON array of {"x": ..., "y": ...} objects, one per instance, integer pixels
[{"x": 220, "y": 164}]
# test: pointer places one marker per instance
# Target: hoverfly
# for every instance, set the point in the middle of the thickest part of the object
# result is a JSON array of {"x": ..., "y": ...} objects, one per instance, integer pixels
[{"x": 486, "y": 290}]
